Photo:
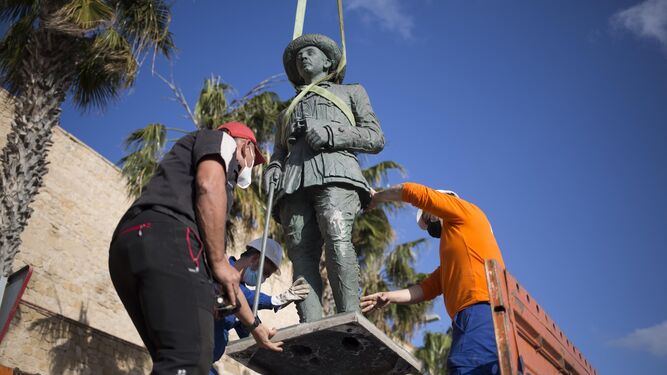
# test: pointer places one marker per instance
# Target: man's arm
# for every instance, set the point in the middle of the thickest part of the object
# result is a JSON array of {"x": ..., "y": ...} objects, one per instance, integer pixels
[
  {"x": 440, "y": 204},
  {"x": 391, "y": 194},
  {"x": 413, "y": 294},
  {"x": 264, "y": 299},
  {"x": 428, "y": 289},
  {"x": 211, "y": 205}
]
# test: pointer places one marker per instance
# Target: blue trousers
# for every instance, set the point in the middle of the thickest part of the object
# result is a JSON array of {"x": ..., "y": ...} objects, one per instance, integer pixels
[{"x": 473, "y": 350}]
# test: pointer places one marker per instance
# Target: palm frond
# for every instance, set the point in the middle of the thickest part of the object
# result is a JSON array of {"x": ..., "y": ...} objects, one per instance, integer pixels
[
  {"x": 109, "y": 67},
  {"x": 258, "y": 89},
  {"x": 80, "y": 16},
  {"x": 435, "y": 351},
  {"x": 146, "y": 146},
  {"x": 211, "y": 108},
  {"x": 377, "y": 174},
  {"x": 372, "y": 233},
  {"x": 406, "y": 319},
  {"x": 13, "y": 10},
  {"x": 146, "y": 23},
  {"x": 399, "y": 263},
  {"x": 260, "y": 113}
]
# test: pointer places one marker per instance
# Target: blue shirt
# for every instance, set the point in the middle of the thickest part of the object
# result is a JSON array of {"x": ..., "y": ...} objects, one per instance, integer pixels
[{"x": 222, "y": 326}]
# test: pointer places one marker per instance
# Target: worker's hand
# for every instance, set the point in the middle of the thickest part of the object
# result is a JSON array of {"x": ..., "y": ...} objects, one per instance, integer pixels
[
  {"x": 391, "y": 194},
  {"x": 318, "y": 137},
  {"x": 374, "y": 301},
  {"x": 376, "y": 199},
  {"x": 228, "y": 278},
  {"x": 297, "y": 292},
  {"x": 263, "y": 337},
  {"x": 271, "y": 175}
]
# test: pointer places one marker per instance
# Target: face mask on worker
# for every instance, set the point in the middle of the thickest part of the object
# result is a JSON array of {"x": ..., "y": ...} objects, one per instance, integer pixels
[
  {"x": 250, "y": 276},
  {"x": 434, "y": 228},
  {"x": 245, "y": 176}
]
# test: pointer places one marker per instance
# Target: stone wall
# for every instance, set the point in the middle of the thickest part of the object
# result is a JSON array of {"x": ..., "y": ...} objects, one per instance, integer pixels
[
  {"x": 47, "y": 343},
  {"x": 66, "y": 242}
]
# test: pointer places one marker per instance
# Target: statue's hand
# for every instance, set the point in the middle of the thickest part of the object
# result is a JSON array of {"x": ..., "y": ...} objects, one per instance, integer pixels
[
  {"x": 318, "y": 137},
  {"x": 271, "y": 175}
]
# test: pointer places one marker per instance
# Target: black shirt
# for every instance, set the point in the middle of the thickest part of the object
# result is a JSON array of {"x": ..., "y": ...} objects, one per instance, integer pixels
[{"x": 173, "y": 185}]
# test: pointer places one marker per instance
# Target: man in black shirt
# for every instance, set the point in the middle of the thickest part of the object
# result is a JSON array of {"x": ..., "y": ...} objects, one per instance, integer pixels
[{"x": 169, "y": 248}]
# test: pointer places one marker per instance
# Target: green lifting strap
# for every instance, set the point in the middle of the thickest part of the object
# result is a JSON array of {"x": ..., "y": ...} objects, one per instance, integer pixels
[
  {"x": 321, "y": 91},
  {"x": 298, "y": 19}
]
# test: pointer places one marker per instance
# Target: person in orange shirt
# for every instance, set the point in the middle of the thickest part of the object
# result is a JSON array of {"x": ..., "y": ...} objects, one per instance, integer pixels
[{"x": 466, "y": 240}]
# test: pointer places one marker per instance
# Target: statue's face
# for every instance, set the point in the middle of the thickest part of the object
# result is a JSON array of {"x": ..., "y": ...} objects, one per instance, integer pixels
[{"x": 311, "y": 61}]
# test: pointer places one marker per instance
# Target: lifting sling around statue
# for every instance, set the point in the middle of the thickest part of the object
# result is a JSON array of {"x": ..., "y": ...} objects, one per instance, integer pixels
[{"x": 320, "y": 187}]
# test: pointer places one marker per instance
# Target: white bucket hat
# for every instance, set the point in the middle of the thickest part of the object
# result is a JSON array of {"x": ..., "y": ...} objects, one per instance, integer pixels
[
  {"x": 420, "y": 212},
  {"x": 274, "y": 252}
]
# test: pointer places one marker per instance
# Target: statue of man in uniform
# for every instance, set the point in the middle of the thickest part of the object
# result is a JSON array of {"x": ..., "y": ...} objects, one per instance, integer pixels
[{"x": 320, "y": 187}]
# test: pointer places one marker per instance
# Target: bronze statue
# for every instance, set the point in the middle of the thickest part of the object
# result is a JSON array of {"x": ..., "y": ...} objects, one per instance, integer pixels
[{"x": 320, "y": 187}]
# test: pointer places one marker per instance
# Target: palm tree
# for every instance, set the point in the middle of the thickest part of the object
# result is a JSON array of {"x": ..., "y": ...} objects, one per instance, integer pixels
[
  {"x": 434, "y": 352},
  {"x": 89, "y": 49}
]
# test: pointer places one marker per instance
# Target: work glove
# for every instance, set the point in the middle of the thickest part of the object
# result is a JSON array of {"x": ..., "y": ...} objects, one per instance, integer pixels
[
  {"x": 297, "y": 292},
  {"x": 319, "y": 137},
  {"x": 273, "y": 173}
]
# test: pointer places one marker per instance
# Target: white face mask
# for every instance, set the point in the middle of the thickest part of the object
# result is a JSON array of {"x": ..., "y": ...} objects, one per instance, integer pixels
[{"x": 245, "y": 176}]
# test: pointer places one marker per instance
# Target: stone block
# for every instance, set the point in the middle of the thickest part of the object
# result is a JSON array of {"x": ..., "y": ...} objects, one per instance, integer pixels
[{"x": 346, "y": 344}]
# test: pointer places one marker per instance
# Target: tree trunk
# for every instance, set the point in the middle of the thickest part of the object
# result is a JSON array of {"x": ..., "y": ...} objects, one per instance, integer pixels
[{"x": 23, "y": 159}]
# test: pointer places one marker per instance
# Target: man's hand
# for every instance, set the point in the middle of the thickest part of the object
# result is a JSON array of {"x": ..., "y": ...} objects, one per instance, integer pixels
[
  {"x": 374, "y": 301},
  {"x": 318, "y": 137},
  {"x": 374, "y": 201},
  {"x": 392, "y": 194},
  {"x": 273, "y": 173},
  {"x": 228, "y": 278},
  {"x": 263, "y": 337},
  {"x": 297, "y": 292}
]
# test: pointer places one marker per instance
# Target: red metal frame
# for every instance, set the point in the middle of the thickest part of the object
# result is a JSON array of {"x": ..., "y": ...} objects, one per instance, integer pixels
[
  {"x": 528, "y": 340},
  {"x": 15, "y": 305}
]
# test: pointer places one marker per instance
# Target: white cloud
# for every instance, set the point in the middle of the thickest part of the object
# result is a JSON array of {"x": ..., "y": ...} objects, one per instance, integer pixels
[
  {"x": 647, "y": 19},
  {"x": 387, "y": 13},
  {"x": 651, "y": 339}
]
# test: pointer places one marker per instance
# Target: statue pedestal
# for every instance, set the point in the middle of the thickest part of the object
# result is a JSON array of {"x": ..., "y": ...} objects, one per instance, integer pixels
[{"x": 346, "y": 344}]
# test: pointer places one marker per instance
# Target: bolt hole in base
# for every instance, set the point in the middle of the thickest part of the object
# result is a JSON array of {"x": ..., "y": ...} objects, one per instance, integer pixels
[{"x": 351, "y": 344}]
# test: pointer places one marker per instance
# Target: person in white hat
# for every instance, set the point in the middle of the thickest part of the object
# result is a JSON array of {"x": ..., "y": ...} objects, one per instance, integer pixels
[
  {"x": 248, "y": 267},
  {"x": 466, "y": 240}
]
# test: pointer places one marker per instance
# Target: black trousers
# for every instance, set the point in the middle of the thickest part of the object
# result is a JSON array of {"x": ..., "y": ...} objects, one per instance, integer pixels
[{"x": 157, "y": 267}]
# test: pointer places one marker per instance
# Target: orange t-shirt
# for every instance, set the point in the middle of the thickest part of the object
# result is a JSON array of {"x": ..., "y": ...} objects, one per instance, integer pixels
[{"x": 466, "y": 241}]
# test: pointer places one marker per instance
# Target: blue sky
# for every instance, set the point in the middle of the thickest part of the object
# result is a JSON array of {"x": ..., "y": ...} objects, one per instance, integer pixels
[{"x": 551, "y": 116}]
